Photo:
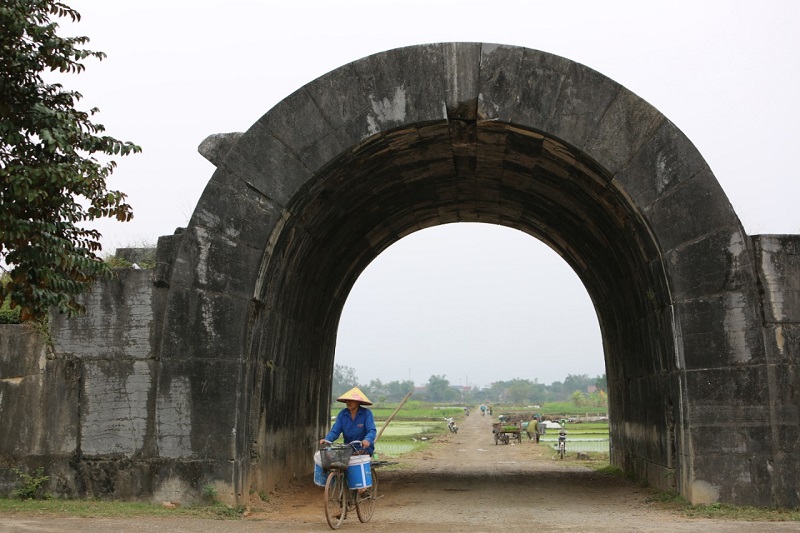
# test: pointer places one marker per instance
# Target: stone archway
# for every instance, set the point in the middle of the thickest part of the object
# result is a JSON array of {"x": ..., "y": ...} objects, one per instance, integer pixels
[{"x": 442, "y": 133}]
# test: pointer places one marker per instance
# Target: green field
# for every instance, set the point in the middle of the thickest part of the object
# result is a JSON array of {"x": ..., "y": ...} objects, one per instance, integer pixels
[
  {"x": 403, "y": 435},
  {"x": 581, "y": 437},
  {"x": 418, "y": 423}
]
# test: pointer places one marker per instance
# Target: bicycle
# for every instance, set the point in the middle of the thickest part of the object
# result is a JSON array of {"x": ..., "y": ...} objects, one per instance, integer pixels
[
  {"x": 339, "y": 497},
  {"x": 562, "y": 445}
]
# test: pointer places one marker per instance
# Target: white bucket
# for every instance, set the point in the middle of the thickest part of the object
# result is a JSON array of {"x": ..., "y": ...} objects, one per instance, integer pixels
[
  {"x": 359, "y": 475},
  {"x": 320, "y": 476}
]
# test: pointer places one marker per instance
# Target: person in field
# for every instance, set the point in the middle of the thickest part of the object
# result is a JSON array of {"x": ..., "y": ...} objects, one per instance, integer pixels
[{"x": 355, "y": 422}]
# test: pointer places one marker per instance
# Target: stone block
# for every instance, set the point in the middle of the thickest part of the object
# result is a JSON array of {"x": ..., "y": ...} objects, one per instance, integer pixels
[
  {"x": 498, "y": 89},
  {"x": 462, "y": 63},
  {"x": 719, "y": 262},
  {"x": 266, "y": 165},
  {"x": 215, "y": 147},
  {"x": 405, "y": 86},
  {"x": 778, "y": 261},
  {"x": 728, "y": 397},
  {"x": 22, "y": 351},
  {"x": 720, "y": 330},
  {"x": 698, "y": 207},
  {"x": 667, "y": 159},
  {"x": 739, "y": 479},
  {"x": 202, "y": 324},
  {"x": 626, "y": 125},
  {"x": 752, "y": 436},
  {"x": 118, "y": 322},
  {"x": 573, "y": 118},
  {"x": 166, "y": 252},
  {"x": 196, "y": 409},
  {"x": 210, "y": 261},
  {"x": 299, "y": 125},
  {"x": 39, "y": 406},
  {"x": 117, "y": 408}
]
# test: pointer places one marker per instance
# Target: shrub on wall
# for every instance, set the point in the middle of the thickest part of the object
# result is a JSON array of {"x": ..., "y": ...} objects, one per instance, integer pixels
[{"x": 8, "y": 315}]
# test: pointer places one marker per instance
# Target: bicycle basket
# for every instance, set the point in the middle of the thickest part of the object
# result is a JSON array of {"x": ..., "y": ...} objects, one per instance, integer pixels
[{"x": 335, "y": 455}]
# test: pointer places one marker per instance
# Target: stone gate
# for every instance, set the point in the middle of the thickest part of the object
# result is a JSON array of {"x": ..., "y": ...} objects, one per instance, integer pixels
[{"x": 214, "y": 367}]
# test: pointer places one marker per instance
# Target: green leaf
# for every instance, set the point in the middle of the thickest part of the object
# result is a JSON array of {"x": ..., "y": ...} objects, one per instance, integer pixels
[{"x": 49, "y": 169}]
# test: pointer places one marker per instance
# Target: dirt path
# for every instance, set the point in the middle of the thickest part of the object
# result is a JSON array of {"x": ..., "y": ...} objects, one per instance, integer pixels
[{"x": 464, "y": 482}]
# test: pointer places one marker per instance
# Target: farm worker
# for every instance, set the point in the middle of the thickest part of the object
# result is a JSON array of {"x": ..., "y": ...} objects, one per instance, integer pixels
[
  {"x": 536, "y": 429},
  {"x": 483, "y": 409},
  {"x": 355, "y": 421}
]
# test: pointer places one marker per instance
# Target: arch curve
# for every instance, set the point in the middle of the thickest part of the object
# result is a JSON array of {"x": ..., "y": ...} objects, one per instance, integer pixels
[{"x": 443, "y": 133}]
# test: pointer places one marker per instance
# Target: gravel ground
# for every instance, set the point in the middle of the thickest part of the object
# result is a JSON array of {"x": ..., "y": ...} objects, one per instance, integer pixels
[{"x": 463, "y": 482}]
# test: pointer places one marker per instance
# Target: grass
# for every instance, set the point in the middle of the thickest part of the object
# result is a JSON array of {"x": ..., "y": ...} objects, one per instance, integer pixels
[
  {"x": 720, "y": 511},
  {"x": 610, "y": 470},
  {"x": 116, "y": 509}
]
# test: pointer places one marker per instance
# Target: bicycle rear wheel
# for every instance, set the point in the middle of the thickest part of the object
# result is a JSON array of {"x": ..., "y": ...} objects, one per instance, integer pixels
[
  {"x": 365, "y": 502},
  {"x": 335, "y": 499}
]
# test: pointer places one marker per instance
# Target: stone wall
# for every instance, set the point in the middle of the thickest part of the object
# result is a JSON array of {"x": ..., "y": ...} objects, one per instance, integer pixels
[
  {"x": 93, "y": 409},
  {"x": 778, "y": 260}
]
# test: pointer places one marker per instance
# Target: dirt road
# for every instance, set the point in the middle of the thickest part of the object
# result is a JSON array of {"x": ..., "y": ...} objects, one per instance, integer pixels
[{"x": 464, "y": 482}]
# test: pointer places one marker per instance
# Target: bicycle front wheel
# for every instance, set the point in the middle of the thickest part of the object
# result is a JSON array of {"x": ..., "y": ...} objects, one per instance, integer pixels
[
  {"x": 335, "y": 499},
  {"x": 365, "y": 502}
]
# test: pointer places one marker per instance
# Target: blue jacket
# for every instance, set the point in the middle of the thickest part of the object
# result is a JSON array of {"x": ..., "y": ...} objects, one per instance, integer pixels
[{"x": 360, "y": 428}]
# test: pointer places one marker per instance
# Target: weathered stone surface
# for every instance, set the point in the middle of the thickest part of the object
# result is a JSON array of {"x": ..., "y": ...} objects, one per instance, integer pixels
[
  {"x": 38, "y": 397},
  {"x": 691, "y": 211},
  {"x": 666, "y": 160},
  {"x": 116, "y": 407},
  {"x": 120, "y": 325},
  {"x": 215, "y": 147},
  {"x": 779, "y": 271},
  {"x": 627, "y": 124},
  {"x": 462, "y": 67},
  {"x": 726, "y": 260},
  {"x": 195, "y": 410},
  {"x": 722, "y": 330},
  {"x": 166, "y": 251}
]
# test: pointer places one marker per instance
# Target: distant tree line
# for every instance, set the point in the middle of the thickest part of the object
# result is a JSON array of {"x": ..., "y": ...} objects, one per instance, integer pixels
[{"x": 579, "y": 389}]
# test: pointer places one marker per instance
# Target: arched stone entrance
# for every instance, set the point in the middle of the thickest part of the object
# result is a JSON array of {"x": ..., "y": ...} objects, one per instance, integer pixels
[{"x": 443, "y": 133}]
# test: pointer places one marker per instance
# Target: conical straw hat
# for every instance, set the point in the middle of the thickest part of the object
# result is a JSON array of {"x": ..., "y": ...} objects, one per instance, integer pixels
[{"x": 354, "y": 394}]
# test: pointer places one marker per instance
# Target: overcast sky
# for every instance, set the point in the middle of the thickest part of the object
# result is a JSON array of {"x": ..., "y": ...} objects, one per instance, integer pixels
[{"x": 472, "y": 302}]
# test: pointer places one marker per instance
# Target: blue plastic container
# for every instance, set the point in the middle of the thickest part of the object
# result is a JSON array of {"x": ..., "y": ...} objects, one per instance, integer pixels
[
  {"x": 359, "y": 475},
  {"x": 320, "y": 476}
]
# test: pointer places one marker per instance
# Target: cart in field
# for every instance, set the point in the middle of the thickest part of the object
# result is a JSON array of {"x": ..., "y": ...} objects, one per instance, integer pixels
[{"x": 504, "y": 431}]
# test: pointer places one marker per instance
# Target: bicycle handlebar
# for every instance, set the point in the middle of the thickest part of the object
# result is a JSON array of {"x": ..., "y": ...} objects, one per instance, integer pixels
[{"x": 352, "y": 444}]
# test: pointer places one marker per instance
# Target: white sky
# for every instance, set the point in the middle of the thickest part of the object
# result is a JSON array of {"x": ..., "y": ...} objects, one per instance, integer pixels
[{"x": 474, "y": 303}]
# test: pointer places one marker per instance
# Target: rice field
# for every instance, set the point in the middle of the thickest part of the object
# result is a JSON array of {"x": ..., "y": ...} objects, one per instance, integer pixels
[
  {"x": 403, "y": 436},
  {"x": 407, "y": 429},
  {"x": 584, "y": 437},
  {"x": 417, "y": 425},
  {"x": 581, "y": 445},
  {"x": 396, "y": 448}
]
